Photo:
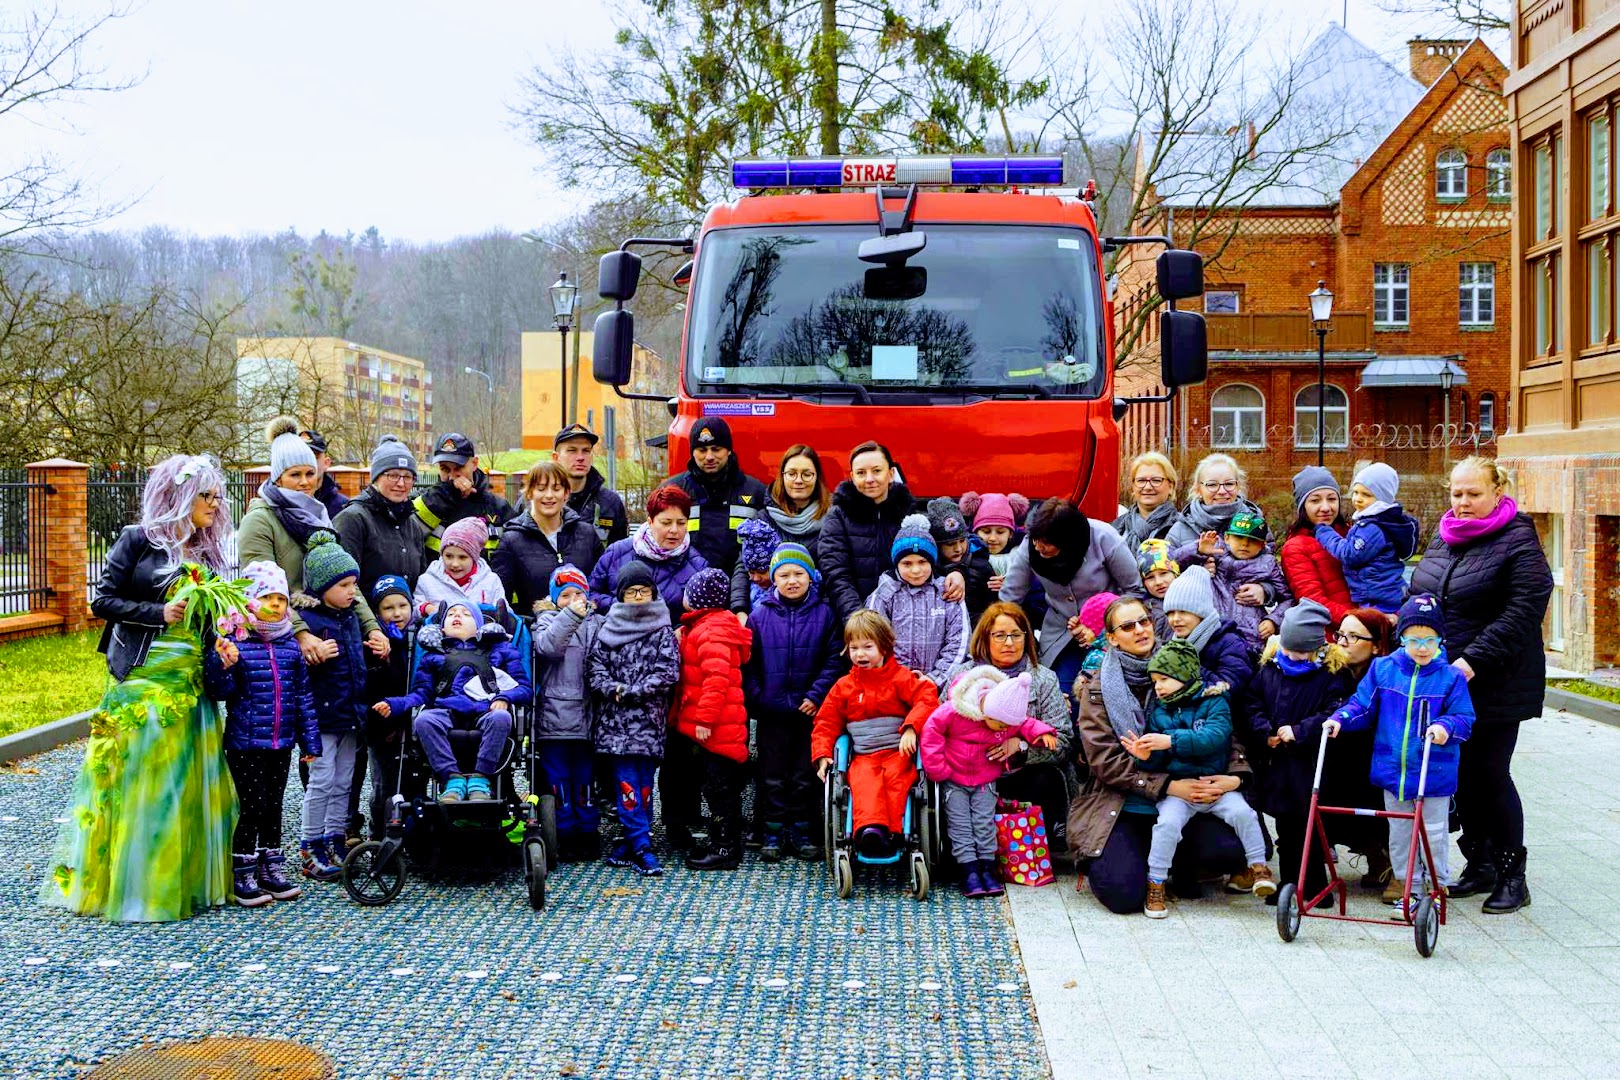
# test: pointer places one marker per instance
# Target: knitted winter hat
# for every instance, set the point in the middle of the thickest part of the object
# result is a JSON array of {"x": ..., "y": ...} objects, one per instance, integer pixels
[
  {"x": 914, "y": 539},
  {"x": 1008, "y": 701},
  {"x": 790, "y": 554},
  {"x": 634, "y": 572},
  {"x": 1153, "y": 556},
  {"x": 711, "y": 431},
  {"x": 470, "y": 534},
  {"x": 1177, "y": 659},
  {"x": 474, "y": 610},
  {"x": 1383, "y": 481},
  {"x": 758, "y": 541},
  {"x": 265, "y": 578},
  {"x": 1305, "y": 627},
  {"x": 567, "y": 576},
  {"x": 391, "y": 454},
  {"x": 1309, "y": 479},
  {"x": 390, "y": 585},
  {"x": 709, "y": 590},
  {"x": 1193, "y": 592},
  {"x": 326, "y": 563},
  {"x": 945, "y": 521},
  {"x": 1091, "y": 612},
  {"x": 1247, "y": 524},
  {"x": 993, "y": 509},
  {"x": 1420, "y": 610},
  {"x": 286, "y": 448}
]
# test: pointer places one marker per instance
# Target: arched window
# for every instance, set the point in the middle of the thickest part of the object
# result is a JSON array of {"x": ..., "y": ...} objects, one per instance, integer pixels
[
  {"x": 1451, "y": 174},
  {"x": 1237, "y": 417},
  {"x": 1499, "y": 174},
  {"x": 1335, "y": 417}
]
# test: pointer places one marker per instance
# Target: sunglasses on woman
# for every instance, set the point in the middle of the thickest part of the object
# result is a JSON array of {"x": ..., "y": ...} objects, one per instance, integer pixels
[{"x": 1127, "y": 627}]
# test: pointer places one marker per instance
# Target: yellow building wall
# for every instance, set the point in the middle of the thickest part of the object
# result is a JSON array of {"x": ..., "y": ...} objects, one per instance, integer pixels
[{"x": 542, "y": 402}]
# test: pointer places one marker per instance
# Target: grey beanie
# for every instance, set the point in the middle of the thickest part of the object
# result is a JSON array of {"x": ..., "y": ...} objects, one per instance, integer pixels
[
  {"x": 1192, "y": 592},
  {"x": 287, "y": 449},
  {"x": 1309, "y": 479},
  {"x": 1305, "y": 627},
  {"x": 1383, "y": 481},
  {"x": 391, "y": 454}
]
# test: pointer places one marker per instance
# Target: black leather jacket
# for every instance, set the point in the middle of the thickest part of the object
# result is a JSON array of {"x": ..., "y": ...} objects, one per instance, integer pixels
[{"x": 129, "y": 597}]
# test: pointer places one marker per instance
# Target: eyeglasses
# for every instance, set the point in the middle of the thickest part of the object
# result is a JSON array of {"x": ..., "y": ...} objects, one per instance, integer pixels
[
  {"x": 212, "y": 498},
  {"x": 1219, "y": 485},
  {"x": 1344, "y": 638},
  {"x": 398, "y": 476},
  {"x": 795, "y": 474},
  {"x": 1127, "y": 627},
  {"x": 1419, "y": 642},
  {"x": 1149, "y": 481},
  {"x": 1010, "y": 637}
]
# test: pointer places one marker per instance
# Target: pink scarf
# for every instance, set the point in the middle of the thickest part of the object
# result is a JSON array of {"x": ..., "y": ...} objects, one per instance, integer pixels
[
  {"x": 645, "y": 547},
  {"x": 1455, "y": 530}
]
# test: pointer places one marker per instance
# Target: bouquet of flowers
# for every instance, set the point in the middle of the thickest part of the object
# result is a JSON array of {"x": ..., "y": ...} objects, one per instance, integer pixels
[{"x": 212, "y": 603}]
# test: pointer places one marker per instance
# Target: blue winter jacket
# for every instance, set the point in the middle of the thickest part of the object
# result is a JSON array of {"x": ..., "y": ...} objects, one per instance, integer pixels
[
  {"x": 1373, "y": 554},
  {"x": 797, "y": 654},
  {"x": 339, "y": 684},
  {"x": 268, "y": 703},
  {"x": 491, "y": 644},
  {"x": 1200, "y": 733},
  {"x": 1399, "y": 700},
  {"x": 669, "y": 577}
]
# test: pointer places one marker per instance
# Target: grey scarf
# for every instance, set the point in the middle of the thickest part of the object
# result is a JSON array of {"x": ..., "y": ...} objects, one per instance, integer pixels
[
  {"x": 1206, "y": 629},
  {"x": 802, "y": 525},
  {"x": 1124, "y": 680},
  {"x": 1135, "y": 528},
  {"x": 627, "y": 622},
  {"x": 1205, "y": 517}
]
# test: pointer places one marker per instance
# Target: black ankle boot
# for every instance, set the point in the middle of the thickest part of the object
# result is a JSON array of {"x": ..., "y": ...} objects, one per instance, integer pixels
[
  {"x": 723, "y": 856},
  {"x": 1511, "y": 893},
  {"x": 1479, "y": 876}
]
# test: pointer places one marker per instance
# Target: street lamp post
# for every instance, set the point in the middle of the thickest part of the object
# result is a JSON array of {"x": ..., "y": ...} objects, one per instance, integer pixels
[
  {"x": 1321, "y": 313},
  {"x": 563, "y": 296},
  {"x": 576, "y": 260},
  {"x": 489, "y": 379},
  {"x": 1446, "y": 377}
]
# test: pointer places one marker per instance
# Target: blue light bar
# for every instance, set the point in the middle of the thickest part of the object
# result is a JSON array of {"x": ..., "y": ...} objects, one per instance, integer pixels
[{"x": 938, "y": 170}]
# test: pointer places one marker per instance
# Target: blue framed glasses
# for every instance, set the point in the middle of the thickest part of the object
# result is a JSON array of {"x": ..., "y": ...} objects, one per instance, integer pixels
[{"x": 1420, "y": 642}]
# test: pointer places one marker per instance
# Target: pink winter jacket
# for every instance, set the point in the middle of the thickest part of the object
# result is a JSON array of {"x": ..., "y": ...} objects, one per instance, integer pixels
[{"x": 956, "y": 741}]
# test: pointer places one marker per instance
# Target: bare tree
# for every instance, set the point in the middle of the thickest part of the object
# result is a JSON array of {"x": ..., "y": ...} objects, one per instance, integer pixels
[{"x": 1453, "y": 16}]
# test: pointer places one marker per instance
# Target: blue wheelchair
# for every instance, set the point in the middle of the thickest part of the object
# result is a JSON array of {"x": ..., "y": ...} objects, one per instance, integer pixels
[{"x": 919, "y": 845}]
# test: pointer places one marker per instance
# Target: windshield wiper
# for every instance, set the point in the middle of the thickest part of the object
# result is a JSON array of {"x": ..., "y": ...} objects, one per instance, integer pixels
[
  {"x": 862, "y": 394},
  {"x": 1007, "y": 391}
]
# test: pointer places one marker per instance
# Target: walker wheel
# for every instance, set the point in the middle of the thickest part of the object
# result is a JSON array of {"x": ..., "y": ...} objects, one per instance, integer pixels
[
  {"x": 369, "y": 882},
  {"x": 919, "y": 876},
  {"x": 843, "y": 874},
  {"x": 547, "y": 806},
  {"x": 535, "y": 857},
  {"x": 1288, "y": 913},
  {"x": 1426, "y": 926}
]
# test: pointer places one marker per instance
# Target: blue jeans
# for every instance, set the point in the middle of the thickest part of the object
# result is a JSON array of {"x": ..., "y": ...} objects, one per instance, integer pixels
[
  {"x": 633, "y": 787},
  {"x": 432, "y": 729},
  {"x": 568, "y": 766}
]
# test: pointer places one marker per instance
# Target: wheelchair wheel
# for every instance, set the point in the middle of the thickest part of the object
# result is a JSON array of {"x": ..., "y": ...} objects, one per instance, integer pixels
[
  {"x": 535, "y": 858},
  {"x": 829, "y": 818},
  {"x": 1426, "y": 926},
  {"x": 1288, "y": 913},
  {"x": 843, "y": 874},
  {"x": 919, "y": 876},
  {"x": 369, "y": 882},
  {"x": 934, "y": 816},
  {"x": 548, "y": 829}
]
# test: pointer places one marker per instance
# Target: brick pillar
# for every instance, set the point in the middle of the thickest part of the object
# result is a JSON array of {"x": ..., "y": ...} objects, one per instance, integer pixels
[
  {"x": 350, "y": 481},
  {"x": 60, "y": 540},
  {"x": 255, "y": 478}
]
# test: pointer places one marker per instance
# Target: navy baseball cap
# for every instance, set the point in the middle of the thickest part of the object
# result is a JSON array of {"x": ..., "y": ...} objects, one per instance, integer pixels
[
  {"x": 575, "y": 431},
  {"x": 454, "y": 449}
]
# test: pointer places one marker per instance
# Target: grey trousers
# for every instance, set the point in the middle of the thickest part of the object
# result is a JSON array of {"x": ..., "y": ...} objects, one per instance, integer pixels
[
  {"x": 326, "y": 800},
  {"x": 1174, "y": 813},
  {"x": 1436, "y": 812},
  {"x": 970, "y": 821}
]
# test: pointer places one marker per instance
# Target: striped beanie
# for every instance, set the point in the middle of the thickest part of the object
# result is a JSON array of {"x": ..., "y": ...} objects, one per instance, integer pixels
[
  {"x": 470, "y": 534},
  {"x": 567, "y": 576},
  {"x": 791, "y": 554}
]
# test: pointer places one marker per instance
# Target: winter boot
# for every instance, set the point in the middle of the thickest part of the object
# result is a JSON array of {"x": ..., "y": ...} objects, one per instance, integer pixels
[
  {"x": 1378, "y": 869},
  {"x": 273, "y": 875},
  {"x": 645, "y": 863},
  {"x": 1511, "y": 893},
  {"x": 317, "y": 860},
  {"x": 478, "y": 789},
  {"x": 1156, "y": 907},
  {"x": 1481, "y": 875},
  {"x": 992, "y": 882},
  {"x": 454, "y": 789},
  {"x": 770, "y": 846},
  {"x": 973, "y": 884},
  {"x": 724, "y": 854},
  {"x": 245, "y": 884},
  {"x": 805, "y": 843}
]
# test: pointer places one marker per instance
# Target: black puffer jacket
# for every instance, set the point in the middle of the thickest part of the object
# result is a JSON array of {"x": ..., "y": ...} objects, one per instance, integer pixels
[
  {"x": 1493, "y": 593},
  {"x": 383, "y": 537},
  {"x": 602, "y": 508},
  {"x": 720, "y": 503},
  {"x": 129, "y": 597},
  {"x": 853, "y": 551},
  {"x": 442, "y": 505},
  {"x": 525, "y": 559}
]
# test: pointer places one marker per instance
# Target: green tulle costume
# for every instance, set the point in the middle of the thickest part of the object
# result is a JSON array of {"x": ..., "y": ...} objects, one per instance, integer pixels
[{"x": 148, "y": 837}]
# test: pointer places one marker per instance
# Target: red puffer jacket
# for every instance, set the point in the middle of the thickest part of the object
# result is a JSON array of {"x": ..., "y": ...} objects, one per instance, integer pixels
[
  {"x": 1313, "y": 574},
  {"x": 714, "y": 647}
]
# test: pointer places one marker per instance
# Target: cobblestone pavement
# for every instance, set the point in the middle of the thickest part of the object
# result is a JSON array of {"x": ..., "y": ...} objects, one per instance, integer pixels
[
  {"x": 758, "y": 973},
  {"x": 1213, "y": 992}
]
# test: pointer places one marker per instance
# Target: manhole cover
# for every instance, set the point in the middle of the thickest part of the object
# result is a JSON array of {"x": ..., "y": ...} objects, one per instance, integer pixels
[{"x": 219, "y": 1059}]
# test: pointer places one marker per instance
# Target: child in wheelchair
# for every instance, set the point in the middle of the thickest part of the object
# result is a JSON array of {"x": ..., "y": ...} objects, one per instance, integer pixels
[{"x": 882, "y": 707}]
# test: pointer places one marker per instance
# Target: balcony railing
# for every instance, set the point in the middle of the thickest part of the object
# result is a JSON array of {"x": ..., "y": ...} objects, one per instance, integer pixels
[{"x": 1287, "y": 331}]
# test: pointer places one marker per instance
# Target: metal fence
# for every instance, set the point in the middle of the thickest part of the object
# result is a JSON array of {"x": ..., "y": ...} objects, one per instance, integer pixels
[
  {"x": 24, "y": 528},
  {"x": 112, "y": 500}
]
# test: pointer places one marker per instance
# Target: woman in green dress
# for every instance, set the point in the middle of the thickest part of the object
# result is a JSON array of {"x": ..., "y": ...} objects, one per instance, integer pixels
[{"x": 148, "y": 835}]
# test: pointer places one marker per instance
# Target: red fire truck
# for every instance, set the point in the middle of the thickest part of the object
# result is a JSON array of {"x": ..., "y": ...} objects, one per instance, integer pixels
[{"x": 941, "y": 305}]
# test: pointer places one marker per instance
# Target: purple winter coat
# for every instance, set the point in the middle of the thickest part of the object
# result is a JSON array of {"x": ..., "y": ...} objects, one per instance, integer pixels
[
  {"x": 669, "y": 577},
  {"x": 1231, "y": 574}
]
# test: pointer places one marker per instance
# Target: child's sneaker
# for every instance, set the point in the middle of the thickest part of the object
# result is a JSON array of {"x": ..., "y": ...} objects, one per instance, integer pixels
[
  {"x": 317, "y": 861},
  {"x": 1262, "y": 882},
  {"x": 646, "y": 863},
  {"x": 273, "y": 876},
  {"x": 1241, "y": 882},
  {"x": 478, "y": 788},
  {"x": 455, "y": 789},
  {"x": 245, "y": 883},
  {"x": 1156, "y": 906},
  {"x": 770, "y": 846},
  {"x": 805, "y": 843},
  {"x": 618, "y": 855}
]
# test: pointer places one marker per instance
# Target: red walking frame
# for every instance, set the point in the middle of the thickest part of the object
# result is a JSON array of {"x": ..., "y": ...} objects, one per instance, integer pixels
[{"x": 1425, "y": 917}]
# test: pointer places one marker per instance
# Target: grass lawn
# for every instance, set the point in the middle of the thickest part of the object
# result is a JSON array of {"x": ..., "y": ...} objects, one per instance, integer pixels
[
  {"x": 1601, "y": 691},
  {"x": 46, "y": 678}
]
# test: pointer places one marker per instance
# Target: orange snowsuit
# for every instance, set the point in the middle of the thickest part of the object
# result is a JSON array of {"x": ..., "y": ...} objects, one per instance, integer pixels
[{"x": 879, "y": 782}]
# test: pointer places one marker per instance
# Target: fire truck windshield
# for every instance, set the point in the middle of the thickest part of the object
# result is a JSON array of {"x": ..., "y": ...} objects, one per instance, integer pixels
[{"x": 983, "y": 308}]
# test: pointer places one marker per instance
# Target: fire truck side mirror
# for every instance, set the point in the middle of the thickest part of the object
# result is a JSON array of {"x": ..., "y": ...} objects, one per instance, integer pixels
[
  {"x": 1183, "y": 348},
  {"x": 1180, "y": 274},
  {"x": 615, "y": 336},
  {"x": 617, "y": 275}
]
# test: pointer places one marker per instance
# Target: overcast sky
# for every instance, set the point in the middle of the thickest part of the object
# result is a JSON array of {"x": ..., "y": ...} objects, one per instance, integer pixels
[{"x": 253, "y": 117}]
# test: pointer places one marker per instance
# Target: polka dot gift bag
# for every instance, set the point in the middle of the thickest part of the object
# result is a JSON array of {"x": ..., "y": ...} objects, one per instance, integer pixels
[{"x": 1022, "y": 854}]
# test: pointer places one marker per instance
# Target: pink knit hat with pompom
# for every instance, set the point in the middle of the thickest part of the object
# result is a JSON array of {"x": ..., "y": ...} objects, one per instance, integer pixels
[
  {"x": 1092, "y": 611},
  {"x": 994, "y": 509}
]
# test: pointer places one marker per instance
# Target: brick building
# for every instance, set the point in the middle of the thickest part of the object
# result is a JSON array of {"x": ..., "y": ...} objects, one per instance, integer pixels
[
  {"x": 1563, "y": 447},
  {"x": 1407, "y": 226}
]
